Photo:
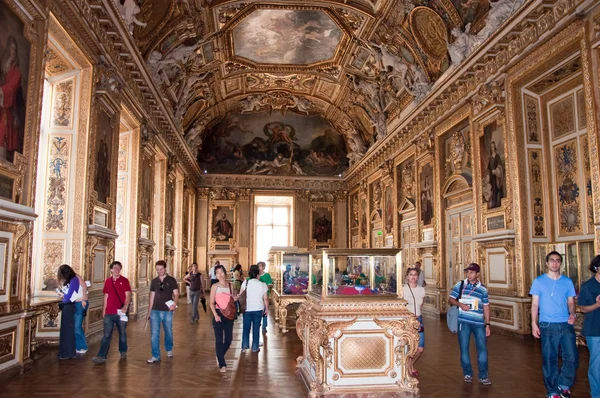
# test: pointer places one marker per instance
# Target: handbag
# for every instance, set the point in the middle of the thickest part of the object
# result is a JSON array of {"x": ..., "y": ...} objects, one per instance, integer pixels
[
  {"x": 242, "y": 298},
  {"x": 452, "y": 316},
  {"x": 230, "y": 310}
]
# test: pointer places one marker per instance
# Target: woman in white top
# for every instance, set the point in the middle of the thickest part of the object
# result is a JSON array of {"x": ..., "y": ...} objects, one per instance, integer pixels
[
  {"x": 415, "y": 295},
  {"x": 257, "y": 305}
]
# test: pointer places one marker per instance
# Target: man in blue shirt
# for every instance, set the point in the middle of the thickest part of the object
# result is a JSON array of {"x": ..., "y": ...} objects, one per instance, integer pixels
[
  {"x": 589, "y": 302},
  {"x": 553, "y": 298},
  {"x": 473, "y": 318}
]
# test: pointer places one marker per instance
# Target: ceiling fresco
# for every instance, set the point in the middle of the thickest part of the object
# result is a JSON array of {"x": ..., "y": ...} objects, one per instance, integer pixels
[
  {"x": 273, "y": 144},
  {"x": 286, "y": 37},
  {"x": 355, "y": 64}
]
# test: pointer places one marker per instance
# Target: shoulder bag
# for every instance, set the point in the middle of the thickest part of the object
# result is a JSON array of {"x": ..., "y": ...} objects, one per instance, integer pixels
[
  {"x": 452, "y": 316},
  {"x": 119, "y": 297},
  {"x": 229, "y": 311},
  {"x": 242, "y": 298}
]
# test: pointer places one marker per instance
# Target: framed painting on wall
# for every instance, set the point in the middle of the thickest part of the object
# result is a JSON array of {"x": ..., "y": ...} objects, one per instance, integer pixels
[
  {"x": 426, "y": 194},
  {"x": 493, "y": 171},
  {"x": 103, "y": 156}
]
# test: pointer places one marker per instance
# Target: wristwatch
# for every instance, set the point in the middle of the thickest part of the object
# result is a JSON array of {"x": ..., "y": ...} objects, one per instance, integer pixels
[{"x": 488, "y": 324}]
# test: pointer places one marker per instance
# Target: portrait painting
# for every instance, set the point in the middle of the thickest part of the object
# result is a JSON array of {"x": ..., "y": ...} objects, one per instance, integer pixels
[
  {"x": 104, "y": 143},
  {"x": 186, "y": 214},
  {"x": 492, "y": 165},
  {"x": 222, "y": 228},
  {"x": 426, "y": 194},
  {"x": 321, "y": 224},
  {"x": 170, "y": 205},
  {"x": 14, "y": 76},
  {"x": 147, "y": 188},
  {"x": 273, "y": 144},
  {"x": 389, "y": 210},
  {"x": 286, "y": 37}
]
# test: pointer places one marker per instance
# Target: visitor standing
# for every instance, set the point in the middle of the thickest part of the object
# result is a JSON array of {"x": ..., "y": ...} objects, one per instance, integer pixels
[
  {"x": 471, "y": 298},
  {"x": 589, "y": 302},
  {"x": 415, "y": 295},
  {"x": 164, "y": 295},
  {"x": 266, "y": 278},
  {"x": 211, "y": 273},
  {"x": 81, "y": 305},
  {"x": 117, "y": 296},
  {"x": 421, "y": 282},
  {"x": 257, "y": 306},
  {"x": 553, "y": 303},
  {"x": 195, "y": 282},
  {"x": 221, "y": 293},
  {"x": 70, "y": 282}
]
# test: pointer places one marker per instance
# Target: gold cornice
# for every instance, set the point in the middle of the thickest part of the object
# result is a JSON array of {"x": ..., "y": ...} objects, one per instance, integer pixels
[{"x": 530, "y": 23}]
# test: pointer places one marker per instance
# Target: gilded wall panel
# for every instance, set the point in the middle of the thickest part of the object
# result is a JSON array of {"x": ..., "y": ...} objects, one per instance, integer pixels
[
  {"x": 589, "y": 201},
  {"x": 123, "y": 155},
  {"x": 532, "y": 119},
  {"x": 57, "y": 184},
  {"x": 61, "y": 115},
  {"x": 536, "y": 193},
  {"x": 53, "y": 255},
  {"x": 562, "y": 117},
  {"x": 121, "y": 203},
  {"x": 566, "y": 172},
  {"x": 4, "y": 265},
  {"x": 581, "y": 110}
]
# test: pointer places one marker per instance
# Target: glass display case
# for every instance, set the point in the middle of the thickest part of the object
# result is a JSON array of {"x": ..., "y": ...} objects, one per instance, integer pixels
[
  {"x": 353, "y": 301},
  {"x": 289, "y": 267},
  {"x": 351, "y": 272}
]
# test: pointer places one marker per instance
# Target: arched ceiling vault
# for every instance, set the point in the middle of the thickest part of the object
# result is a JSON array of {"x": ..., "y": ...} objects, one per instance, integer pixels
[{"x": 356, "y": 63}]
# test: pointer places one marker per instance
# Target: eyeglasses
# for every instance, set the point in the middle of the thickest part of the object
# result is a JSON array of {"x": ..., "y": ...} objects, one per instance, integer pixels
[{"x": 162, "y": 286}]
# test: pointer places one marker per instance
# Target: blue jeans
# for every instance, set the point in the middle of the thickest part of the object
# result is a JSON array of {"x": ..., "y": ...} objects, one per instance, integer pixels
[
  {"x": 555, "y": 335},
  {"x": 195, "y": 297},
  {"x": 109, "y": 323},
  {"x": 166, "y": 318},
  {"x": 265, "y": 321},
  {"x": 251, "y": 318},
  {"x": 80, "y": 343},
  {"x": 465, "y": 330},
  {"x": 593, "y": 343}
]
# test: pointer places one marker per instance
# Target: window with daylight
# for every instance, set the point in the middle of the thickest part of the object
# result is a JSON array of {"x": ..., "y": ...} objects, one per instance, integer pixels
[{"x": 273, "y": 224}]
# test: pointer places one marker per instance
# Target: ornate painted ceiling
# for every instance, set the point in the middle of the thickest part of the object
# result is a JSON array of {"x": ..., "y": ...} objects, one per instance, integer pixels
[{"x": 301, "y": 88}]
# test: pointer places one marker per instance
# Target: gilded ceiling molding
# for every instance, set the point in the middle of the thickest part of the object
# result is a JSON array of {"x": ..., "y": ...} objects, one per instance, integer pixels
[
  {"x": 501, "y": 53},
  {"x": 268, "y": 182},
  {"x": 123, "y": 55}
]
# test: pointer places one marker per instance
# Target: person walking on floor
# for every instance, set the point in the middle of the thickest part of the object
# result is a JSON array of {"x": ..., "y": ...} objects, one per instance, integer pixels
[
  {"x": 266, "y": 278},
  {"x": 257, "y": 306},
  {"x": 164, "y": 295},
  {"x": 117, "y": 295},
  {"x": 187, "y": 285},
  {"x": 589, "y": 302},
  {"x": 415, "y": 295},
  {"x": 195, "y": 283},
  {"x": 221, "y": 293},
  {"x": 211, "y": 273},
  {"x": 471, "y": 298},
  {"x": 81, "y": 305},
  {"x": 553, "y": 300},
  {"x": 70, "y": 282}
]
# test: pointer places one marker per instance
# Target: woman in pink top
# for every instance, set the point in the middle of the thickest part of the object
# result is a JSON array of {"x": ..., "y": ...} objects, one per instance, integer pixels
[{"x": 220, "y": 294}]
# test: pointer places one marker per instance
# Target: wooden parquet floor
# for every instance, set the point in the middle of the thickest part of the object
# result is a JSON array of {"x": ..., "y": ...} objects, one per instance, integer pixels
[{"x": 515, "y": 368}]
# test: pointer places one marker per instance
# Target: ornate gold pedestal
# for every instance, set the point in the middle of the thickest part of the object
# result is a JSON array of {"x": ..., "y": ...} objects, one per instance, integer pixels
[
  {"x": 357, "y": 345},
  {"x": 281, "y": 311}
]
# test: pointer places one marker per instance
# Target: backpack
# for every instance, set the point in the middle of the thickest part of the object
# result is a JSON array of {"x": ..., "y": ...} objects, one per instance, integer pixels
[{"x": 452, "y": 316}]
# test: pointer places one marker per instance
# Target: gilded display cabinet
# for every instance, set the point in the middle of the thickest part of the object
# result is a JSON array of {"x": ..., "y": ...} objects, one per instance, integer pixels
[
  {"x": 356, "y": 332},
  {"x": 290, "y": 272}
]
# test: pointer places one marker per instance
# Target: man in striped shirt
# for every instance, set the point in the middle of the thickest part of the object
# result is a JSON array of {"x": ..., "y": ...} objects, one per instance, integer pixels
[{"x": 473, "y": 318}]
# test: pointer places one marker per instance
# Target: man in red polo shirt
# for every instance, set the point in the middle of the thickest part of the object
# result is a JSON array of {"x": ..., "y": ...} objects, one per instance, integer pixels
[{"x": 117, "y": 294}]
